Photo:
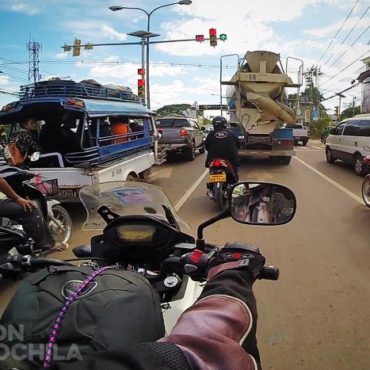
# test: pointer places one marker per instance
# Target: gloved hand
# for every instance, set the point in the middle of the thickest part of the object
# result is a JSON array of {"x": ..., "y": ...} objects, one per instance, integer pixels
[{"x": 237, "y": 256}]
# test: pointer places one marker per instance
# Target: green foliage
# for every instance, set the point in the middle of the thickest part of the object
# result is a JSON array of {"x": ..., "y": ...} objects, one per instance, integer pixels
[
  {"x": 317, "y": 127},
  {"x": 350, "y": 112},
  {"x": 173, "y": 109}
]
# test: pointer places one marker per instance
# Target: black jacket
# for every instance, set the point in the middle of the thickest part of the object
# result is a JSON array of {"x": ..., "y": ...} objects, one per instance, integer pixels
[{"x": 221, "y": 143}]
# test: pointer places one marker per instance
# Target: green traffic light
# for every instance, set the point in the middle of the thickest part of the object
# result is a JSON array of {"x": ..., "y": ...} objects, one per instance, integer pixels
[{"x": 223, "y": 37}]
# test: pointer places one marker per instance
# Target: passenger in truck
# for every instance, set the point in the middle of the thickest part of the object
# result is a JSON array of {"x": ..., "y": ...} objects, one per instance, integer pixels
[
  {"x": 70, "y": 140},
  {"x": 120, "y": 127}
]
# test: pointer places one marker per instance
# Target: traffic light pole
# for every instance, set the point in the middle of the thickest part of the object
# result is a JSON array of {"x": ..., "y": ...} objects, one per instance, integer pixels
[{"x": 89, "y": 46}]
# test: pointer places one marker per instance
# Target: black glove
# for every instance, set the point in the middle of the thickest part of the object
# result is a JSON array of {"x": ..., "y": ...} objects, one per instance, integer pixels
[{"x": 237, "y": 256}]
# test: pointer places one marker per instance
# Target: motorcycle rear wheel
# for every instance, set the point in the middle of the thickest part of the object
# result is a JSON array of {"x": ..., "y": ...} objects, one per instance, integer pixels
[
  {"x": 63, "y": 232},
  {"x": 220, "y": 197},
  {"x": 366, "y": 191}
]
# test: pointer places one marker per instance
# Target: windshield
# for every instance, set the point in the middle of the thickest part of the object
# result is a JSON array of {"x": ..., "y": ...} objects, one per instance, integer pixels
[{"x": 127, "y": 199}]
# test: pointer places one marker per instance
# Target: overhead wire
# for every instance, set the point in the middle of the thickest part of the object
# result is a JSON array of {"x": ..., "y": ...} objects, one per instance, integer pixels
[
  {"x": 349, "y": 65},
  {"x": 349, "y": 33},
  {"x": 340, "y": 28},
  {"x": 340, "y": 57}
]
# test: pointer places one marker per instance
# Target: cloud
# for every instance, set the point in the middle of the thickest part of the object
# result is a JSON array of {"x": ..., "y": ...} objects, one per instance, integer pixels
[
  {"x": 112, "y": 34},
  {"x": 25, "y": 8},
  {"x": 331, "y": 29}
]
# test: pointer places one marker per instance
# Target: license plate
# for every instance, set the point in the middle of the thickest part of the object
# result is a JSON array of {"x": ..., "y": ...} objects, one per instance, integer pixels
[{"x": 220, "y": 177}]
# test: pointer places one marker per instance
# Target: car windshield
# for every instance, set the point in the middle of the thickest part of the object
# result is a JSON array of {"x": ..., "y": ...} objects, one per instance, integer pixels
[
  {"x": 171, "y": 122},
  {"x": 127, "y": 199}
]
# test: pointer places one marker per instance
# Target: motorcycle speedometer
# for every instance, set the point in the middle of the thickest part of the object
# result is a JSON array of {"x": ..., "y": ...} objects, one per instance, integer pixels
[{"x": 135, "y": 233}]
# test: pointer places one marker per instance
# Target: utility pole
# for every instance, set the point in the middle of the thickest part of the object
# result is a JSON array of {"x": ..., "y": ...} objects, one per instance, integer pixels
[{"x": 34, "y": 48}]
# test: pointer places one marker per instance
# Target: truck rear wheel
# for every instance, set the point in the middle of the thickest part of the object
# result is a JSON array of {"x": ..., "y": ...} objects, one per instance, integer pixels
[{"x": 285, "y": 160}]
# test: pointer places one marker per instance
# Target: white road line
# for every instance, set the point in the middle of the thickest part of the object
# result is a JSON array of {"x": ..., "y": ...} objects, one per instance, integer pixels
[
  {"x": 331, "y": 181},
  {"x": 316, "y": 147},
  {"x": 185, "y": 197}
]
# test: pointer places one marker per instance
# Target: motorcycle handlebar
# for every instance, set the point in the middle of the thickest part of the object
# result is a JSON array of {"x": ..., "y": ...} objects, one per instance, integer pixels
[{"x": 196, "y": 263}]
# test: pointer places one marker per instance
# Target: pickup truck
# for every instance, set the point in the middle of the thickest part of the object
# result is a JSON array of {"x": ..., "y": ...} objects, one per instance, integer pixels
[
  {"x": 300, "y": 133},
  {"x": 180, "y": 135}
]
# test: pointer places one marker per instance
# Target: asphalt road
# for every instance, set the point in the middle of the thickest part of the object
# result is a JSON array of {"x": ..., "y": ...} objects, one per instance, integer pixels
[{"x": 317, "y": 316}]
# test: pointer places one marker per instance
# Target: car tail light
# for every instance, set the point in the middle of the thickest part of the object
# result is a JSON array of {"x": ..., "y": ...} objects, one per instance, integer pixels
[
  {"x": 160, "y": 131},
  {"x": 183, "y": 132}
]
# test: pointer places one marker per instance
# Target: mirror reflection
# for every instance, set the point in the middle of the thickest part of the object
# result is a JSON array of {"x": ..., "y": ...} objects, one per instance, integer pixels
[{"x": 262, "y": 203}]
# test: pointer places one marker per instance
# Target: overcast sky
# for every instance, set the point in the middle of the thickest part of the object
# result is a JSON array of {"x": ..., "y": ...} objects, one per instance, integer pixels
[{"x": 315, "y": 31}]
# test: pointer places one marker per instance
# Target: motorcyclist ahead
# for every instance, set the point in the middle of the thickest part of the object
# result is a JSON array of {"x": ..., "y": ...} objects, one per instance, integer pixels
[
  {"x": 217, "y": 332},
  {"x": 221, "y": 143}
]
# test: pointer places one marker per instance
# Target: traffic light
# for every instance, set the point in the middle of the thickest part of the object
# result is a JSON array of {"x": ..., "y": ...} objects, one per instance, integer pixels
[
  {"x": 213, "y": 37},
  {"x": 141, "y": 87},
  {"x": 336, "y": 110},
  {"x": 223, "y": 37},
  {"x": 199, "y": 38},
  {"x": 141, "y": 72},
  {"x": 89, "y": 46},
  {"x": 67, "y": 47},
  {"x": 76, "y": 48}
]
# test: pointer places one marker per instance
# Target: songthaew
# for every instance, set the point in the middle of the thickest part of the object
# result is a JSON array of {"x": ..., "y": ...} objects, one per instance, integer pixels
[{"x": 84, "y": 125}]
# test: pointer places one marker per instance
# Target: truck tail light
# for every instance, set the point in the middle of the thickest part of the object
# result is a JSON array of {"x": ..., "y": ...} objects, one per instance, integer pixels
[
  {"x": 183, "y": 132},
  {"x": 285, "y": 142}
]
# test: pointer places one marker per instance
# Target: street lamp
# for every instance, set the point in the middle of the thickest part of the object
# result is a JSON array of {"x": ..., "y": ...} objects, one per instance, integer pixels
[{"x": 115, "y": 8}]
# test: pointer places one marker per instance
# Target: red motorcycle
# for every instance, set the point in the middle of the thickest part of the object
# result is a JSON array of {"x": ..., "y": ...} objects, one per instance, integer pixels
[
  {"x": 220, "y": 180},
  {"x": 366, "y": 183}
]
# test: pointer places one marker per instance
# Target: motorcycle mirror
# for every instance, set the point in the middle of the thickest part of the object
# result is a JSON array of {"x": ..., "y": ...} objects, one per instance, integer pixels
[
  {"x": 35, "y": 156},
  {"x": 82, "y": 251},
  {"x": 262, "y": 203}
]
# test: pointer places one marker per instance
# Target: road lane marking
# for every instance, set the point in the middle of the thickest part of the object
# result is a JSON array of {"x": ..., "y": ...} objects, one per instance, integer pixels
[
  {"x": 165, "y": 172},
  {"x": 316, "y": 147},
  {"x": 331, "y": 181},
  {"x": 185, "y": 197}
]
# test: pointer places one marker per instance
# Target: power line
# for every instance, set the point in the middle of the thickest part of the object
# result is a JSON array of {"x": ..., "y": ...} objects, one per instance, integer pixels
[
  {"x": 340, "y": 28},
  {"x": 349, "y": 65},
  {"x": 349, "y": 33},
  {"x": 340, "y": 57}
]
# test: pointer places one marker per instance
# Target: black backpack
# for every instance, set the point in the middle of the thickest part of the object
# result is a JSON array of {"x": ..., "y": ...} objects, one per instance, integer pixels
[{"x": 118, "y": 307}]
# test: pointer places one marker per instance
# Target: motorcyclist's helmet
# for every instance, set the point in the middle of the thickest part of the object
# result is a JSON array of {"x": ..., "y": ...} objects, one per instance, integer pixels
[{"x": 219, "y": 122}]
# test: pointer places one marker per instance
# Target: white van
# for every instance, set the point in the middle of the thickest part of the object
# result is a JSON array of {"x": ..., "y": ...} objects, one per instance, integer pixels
[{"x": 350, "y": 142}]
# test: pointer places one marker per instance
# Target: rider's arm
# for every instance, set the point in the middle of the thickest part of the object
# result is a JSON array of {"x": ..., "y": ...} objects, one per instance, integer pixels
[
  {"x": 11, "y": 194},
  {"x": 218, "y": 331},
  {"x": 7, "y": 190}
]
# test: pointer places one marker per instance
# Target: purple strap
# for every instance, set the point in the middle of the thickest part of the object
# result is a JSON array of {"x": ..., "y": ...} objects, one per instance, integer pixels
[{"x": 57, "y": 324}]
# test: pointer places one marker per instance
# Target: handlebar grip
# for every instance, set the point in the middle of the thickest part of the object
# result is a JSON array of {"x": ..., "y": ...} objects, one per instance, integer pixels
[
  {"x": 45, "y": 262},
  {"x": 269, "y": 273}
]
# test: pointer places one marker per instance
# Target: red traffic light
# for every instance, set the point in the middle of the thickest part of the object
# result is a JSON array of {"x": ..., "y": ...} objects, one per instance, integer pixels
[
  {"x": 141, "y": 71},
  {"x": 199, "y": 38},
  {"x": 140, "y": 82},
  {"x": 212, "y": 32}
]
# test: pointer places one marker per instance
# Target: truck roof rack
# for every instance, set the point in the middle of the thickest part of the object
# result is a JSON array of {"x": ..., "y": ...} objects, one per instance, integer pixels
[{"x": 69, "y": 88}]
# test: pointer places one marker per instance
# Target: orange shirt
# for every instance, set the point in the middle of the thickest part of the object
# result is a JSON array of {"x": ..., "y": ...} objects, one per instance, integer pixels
[{"x": 120, "y": 128}]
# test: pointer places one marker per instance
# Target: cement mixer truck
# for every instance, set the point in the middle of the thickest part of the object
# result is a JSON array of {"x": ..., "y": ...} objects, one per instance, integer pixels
[{"x": 257, "y": 104}]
